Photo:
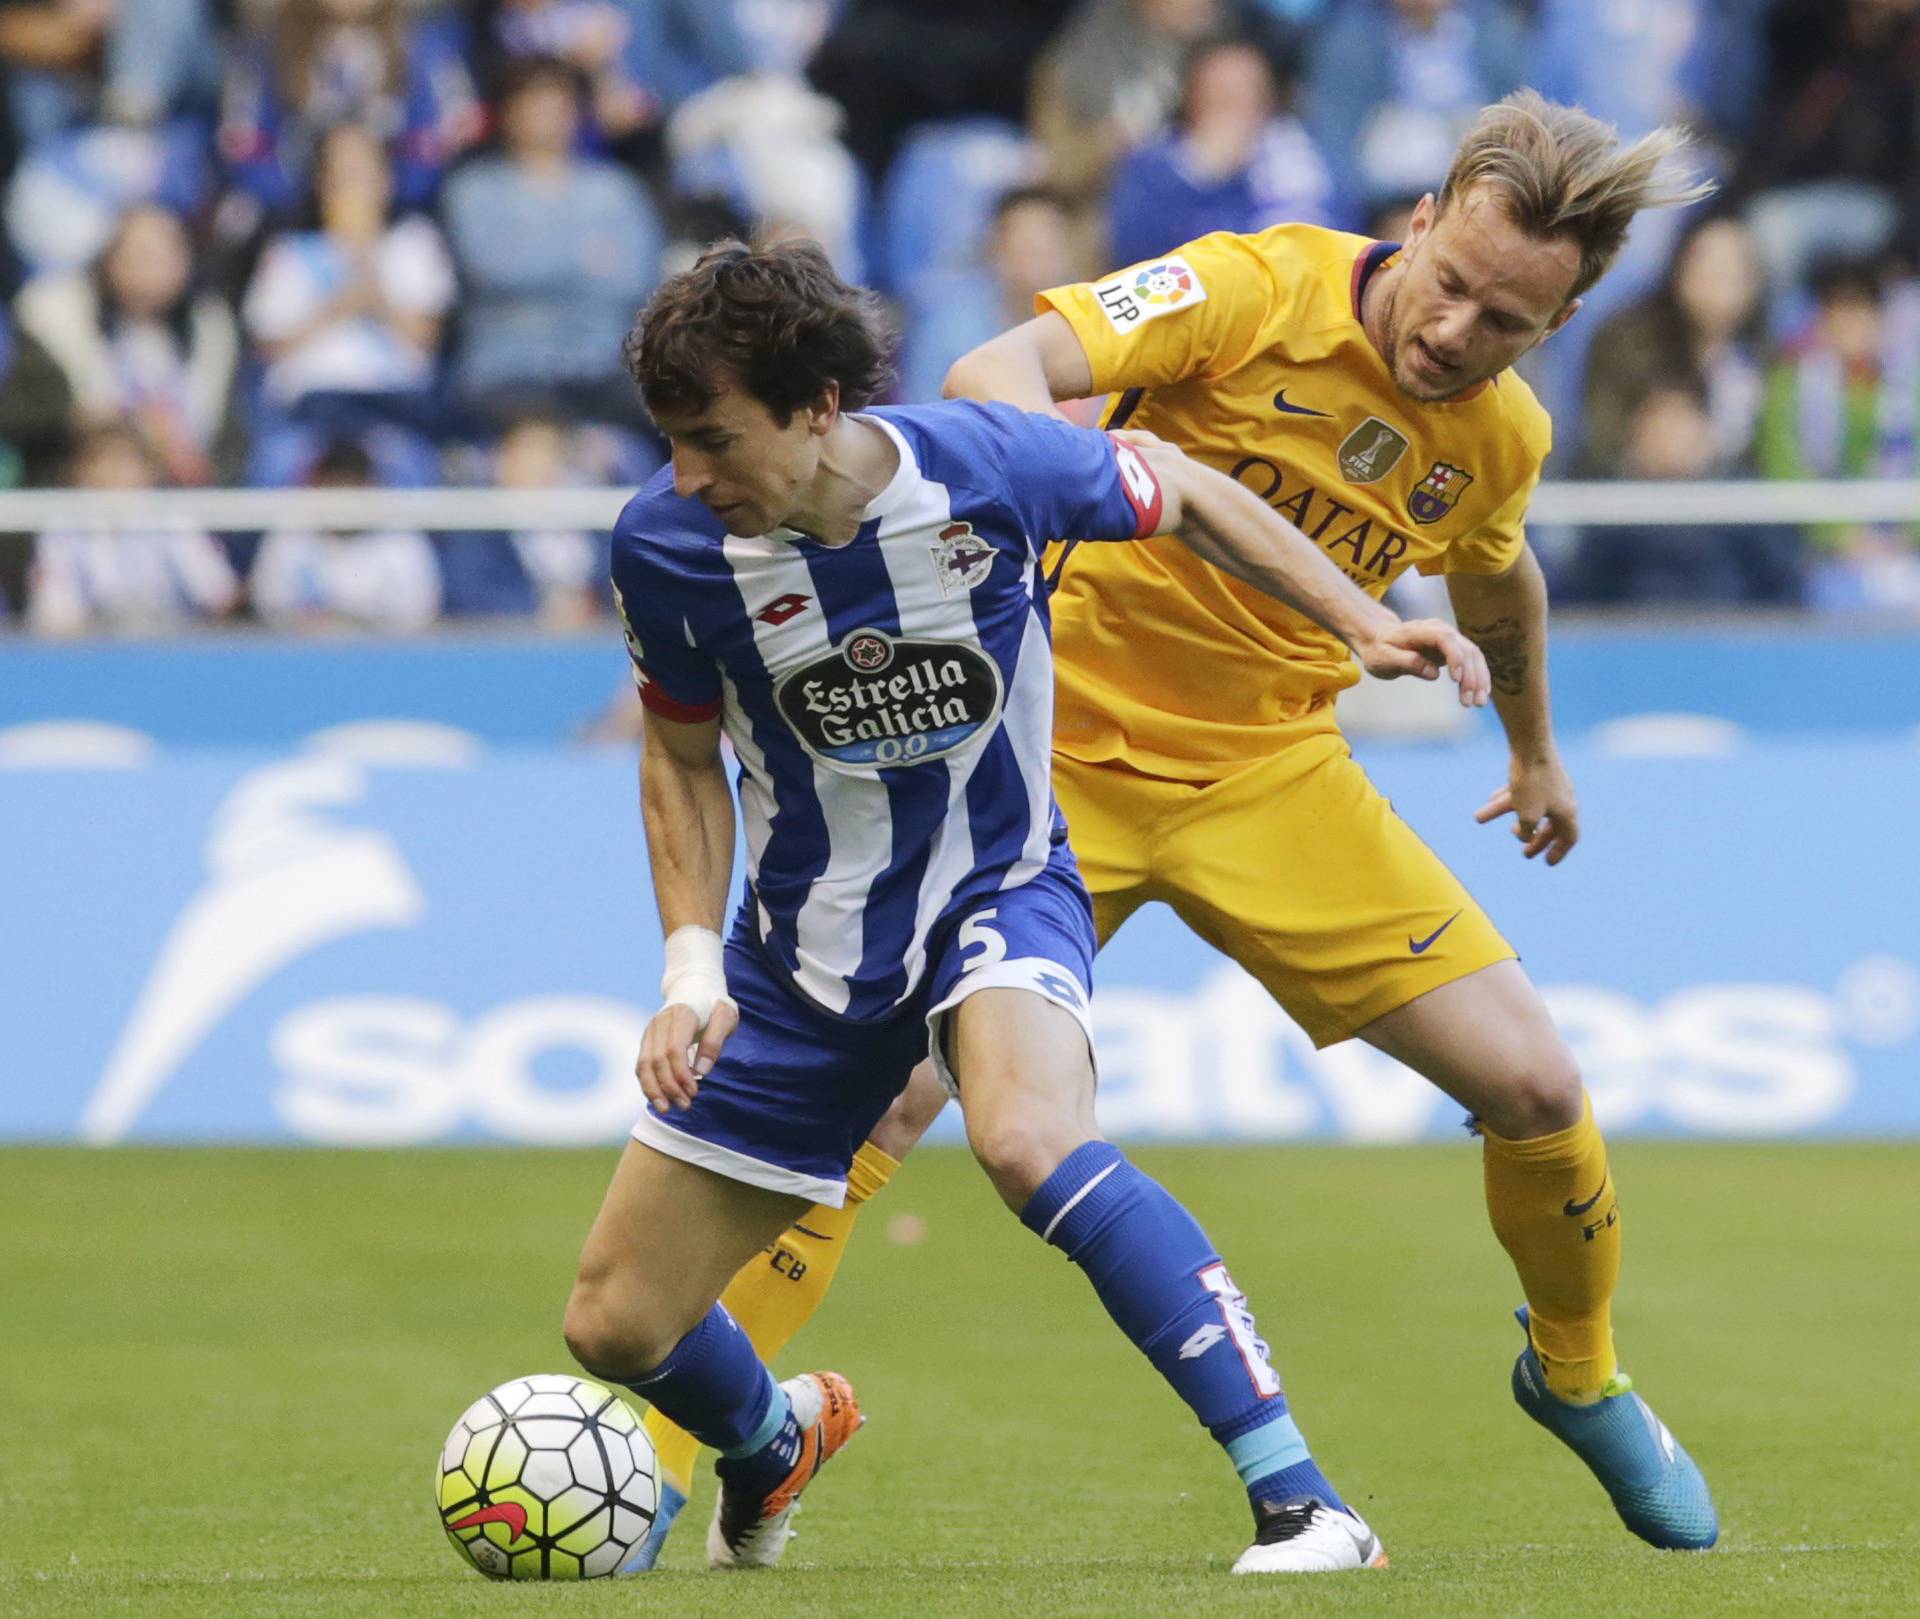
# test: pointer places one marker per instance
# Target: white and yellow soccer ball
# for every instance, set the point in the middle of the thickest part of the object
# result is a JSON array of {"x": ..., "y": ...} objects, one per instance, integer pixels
[{"x": 548, "y": 1477}]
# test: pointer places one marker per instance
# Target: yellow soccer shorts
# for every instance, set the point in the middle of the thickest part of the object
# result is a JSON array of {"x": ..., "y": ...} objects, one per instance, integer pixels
[{"x": 1295, "y": 867}]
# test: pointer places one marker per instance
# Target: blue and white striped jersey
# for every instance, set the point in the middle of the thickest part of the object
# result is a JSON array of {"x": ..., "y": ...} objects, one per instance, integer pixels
[{"x": 890, "y": 700}]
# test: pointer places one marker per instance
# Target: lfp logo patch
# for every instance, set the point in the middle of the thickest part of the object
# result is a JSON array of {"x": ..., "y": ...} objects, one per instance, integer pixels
[
  {"x": 1438, "y": 492},
  {"x": 1136, "y": 296},
  {"x": 1170, "y": 283}
]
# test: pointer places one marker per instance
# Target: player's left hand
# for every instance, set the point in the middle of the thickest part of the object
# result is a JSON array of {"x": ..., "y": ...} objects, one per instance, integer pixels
[
  {"x": 1422, "y": 647},
  {"x": 1539, "y": 797}
]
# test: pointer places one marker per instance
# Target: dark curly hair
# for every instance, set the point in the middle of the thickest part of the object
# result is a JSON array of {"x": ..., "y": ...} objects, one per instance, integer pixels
[{"x": 776, "y": 320}]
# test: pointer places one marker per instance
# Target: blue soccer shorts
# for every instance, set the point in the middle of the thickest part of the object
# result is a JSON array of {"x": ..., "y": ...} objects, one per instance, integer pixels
[{"x": 796, "y": 1090}]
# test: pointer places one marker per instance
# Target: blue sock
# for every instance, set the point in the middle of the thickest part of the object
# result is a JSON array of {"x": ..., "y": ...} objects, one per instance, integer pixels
[
  {"x": 1168, "y": 1291},
  {"x": 717, "y": 1388}
]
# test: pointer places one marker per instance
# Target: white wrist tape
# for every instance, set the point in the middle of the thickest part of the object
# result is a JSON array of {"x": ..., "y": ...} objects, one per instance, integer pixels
[{"x": 694, "y": 977}]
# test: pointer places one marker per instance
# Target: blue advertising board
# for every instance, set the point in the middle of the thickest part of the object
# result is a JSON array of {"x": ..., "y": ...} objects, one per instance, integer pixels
[{"x": 331, "y": 943}]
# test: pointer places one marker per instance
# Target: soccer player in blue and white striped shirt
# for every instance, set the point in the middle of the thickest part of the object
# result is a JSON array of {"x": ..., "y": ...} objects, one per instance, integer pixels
[{"x": 854, "y": 599}]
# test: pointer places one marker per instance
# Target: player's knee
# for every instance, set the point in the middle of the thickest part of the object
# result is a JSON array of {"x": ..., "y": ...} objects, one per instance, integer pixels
[
  {"x": 1542, "y": 1098},
  {"x": 612, "y": 1333},
  {"x": 1020, "y": 1150}
]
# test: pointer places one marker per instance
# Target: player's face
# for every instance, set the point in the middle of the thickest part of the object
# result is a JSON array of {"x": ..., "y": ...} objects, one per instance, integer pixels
[
  {"x": 1474, "y": 293},
  {"x": 738, "y": 461}
]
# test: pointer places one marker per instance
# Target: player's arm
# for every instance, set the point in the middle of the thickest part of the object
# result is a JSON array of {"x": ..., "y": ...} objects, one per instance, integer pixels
[
  {"x": 1505, "y": 615},
  {"x": 688, "y": 810},
  {"x": 1038, "y": 362},
  {"x": 1224, "y": 523}
]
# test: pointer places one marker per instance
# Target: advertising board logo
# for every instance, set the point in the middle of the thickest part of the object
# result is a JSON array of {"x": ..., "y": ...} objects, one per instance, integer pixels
[{"x": 877, "y": 701}]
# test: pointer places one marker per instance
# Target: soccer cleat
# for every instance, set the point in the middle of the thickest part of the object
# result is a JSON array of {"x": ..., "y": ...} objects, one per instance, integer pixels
[
  {"x": 647, "y": 1553},
  {"x": 749, "y": 1532},
  {"x": 1305, "y": 1536},
  {"x": 1654, "y": 1484}
]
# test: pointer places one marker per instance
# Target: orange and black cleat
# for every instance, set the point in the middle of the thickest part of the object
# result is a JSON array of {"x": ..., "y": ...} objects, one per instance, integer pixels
[{"x": 752, "y": 1532}]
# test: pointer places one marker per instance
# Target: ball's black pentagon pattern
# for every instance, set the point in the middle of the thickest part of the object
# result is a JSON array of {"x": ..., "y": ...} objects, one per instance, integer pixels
[{"x": 549, "y": 1477}]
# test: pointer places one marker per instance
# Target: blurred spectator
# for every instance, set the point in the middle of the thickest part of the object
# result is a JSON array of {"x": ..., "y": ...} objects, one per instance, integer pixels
[
  {"x": 329, "y": 62},
  {"x": 1670, "y": 437},
  {"x": 1834, "y": 165},
  {"x": 36, "y": 407},
  {"x": 1638, "y": 64},
  {"x": 1701, "y": 331},
  {"x": 555, "y": 252},
  {"x": 770, "y": 147},
  {"x": 123, "y": 61},
  {"x": 558, "y": 574},
  {"x": 1394, "y": 83},
  {"x": 1843, "y": 403},
  {"x": 138, "y": 338},
  {"x": 1030, "y": 247},
  {"x": 311, "y": 579},
  {"x": 637, "y": 57},
  {"x": 348, "y": 317},
  {"x": 891, "y": 64},
  {"x": 1112, "y": 80},
  {"x": 781, "y": 36},
  {"x": 1236, "y": 159},
  {"x": 597, "y": 38},
  {"x": 91, "y": 578}
]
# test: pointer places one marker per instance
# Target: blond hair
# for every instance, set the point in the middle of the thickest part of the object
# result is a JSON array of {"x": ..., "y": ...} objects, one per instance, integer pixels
[{"x": 1561, "y": 172}]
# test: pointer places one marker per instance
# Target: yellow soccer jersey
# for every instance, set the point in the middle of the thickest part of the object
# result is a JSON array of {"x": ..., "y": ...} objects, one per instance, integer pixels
[{"x": 1248, "y": 353}]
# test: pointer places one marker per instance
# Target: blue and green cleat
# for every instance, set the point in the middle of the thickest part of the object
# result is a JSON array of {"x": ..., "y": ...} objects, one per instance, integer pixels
[
  {"x": 1654, "y": 1484},
  {"x": 643, "y": 1556}
]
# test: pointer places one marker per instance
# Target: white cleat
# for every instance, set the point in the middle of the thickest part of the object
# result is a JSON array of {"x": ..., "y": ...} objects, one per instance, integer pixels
[{"x": 1302, "y": 1536}]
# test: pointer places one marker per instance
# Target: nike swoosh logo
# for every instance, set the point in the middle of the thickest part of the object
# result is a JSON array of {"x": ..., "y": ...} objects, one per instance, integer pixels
[
  {"x": 1420, "y": 949},
  {"x": 513, "y": 1516},
  {"x": 1573, "y": 1208},
  {"x": 818, "y": 1236},
  {"x": 1280, "y": 403}
]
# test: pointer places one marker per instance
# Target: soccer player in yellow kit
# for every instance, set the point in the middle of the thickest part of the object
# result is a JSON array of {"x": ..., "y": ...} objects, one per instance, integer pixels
[{"x": 1363, "y": 389}]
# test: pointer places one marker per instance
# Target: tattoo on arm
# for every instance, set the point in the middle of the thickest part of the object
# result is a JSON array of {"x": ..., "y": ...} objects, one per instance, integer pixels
[{"x": 1504, "y": 641}]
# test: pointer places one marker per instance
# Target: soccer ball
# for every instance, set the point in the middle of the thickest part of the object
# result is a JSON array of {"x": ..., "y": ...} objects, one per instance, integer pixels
[{"x": 547, "y": 1478}]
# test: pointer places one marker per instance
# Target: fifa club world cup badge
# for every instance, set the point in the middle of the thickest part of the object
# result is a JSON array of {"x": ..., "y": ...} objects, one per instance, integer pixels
[
  {"x": 1371, "y": 451},
  {"x": 1438, "y": 492},
  {"x": 961, "y": 558}
]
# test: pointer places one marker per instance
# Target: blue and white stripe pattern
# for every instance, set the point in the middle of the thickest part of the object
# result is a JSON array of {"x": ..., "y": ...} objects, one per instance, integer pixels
[{"x": 890, "y": 700}]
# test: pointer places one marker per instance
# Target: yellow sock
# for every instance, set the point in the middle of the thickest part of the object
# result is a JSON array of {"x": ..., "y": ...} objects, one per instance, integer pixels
[
  {"x": 773, "y": 1295},
  {"x": 1553, "y": 1208}
]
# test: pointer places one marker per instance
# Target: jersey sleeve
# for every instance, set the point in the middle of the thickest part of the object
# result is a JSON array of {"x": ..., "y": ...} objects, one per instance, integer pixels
[
  {"x": 1197, "y": 312},
  {"x": 1067, "y": 482},
  {"x": 676, "y": 679}
]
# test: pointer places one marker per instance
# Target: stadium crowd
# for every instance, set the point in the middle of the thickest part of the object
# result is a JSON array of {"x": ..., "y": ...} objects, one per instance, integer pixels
[{"x": 377, "y": 242}]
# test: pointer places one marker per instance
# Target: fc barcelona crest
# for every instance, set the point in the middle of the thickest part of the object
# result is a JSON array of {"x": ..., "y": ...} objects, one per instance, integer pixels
[{"x": 1438, "y": 492}]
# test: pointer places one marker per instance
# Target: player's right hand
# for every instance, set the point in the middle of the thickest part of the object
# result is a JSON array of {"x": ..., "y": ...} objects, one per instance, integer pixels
[
  {"x": 676, "y": 1053},
  {"x": 1422, "y": 647}
]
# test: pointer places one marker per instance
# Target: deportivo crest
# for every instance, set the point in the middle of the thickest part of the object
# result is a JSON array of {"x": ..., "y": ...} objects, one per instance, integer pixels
[
  {"x": 961, "y": 559},
  {"x": 879, "y": 700},
  {"x": 1371, "y": 451},
  {"x": 1438, "y": 492},
  {"x": 1145, "y": 293}
]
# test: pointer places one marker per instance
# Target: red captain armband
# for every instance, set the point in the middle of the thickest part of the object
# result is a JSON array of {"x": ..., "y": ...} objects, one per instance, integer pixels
[
  {"x": 1142, "y": 488},
  {"x": 654, "y": 697}
]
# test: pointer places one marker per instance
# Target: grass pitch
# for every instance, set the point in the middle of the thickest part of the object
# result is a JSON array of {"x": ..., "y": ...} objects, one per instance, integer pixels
[{"x": 229, "y": 1374}]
